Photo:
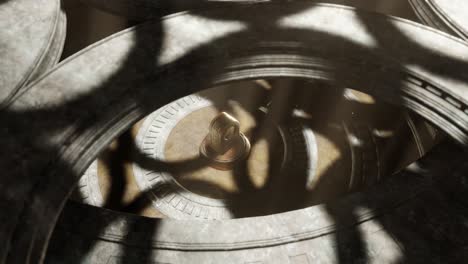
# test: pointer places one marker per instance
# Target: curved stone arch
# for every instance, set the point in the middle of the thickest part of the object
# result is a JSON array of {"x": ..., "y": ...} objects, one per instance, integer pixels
[
  {"x": 147, "y": 9},
  {"x": 440, "y": 100},
  {"x": 448, "y": 16},
  {"x": 32, "y": 40}
]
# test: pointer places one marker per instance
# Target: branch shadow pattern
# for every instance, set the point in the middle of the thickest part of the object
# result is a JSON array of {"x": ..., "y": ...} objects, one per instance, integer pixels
[{"x": 33, "y": 148}]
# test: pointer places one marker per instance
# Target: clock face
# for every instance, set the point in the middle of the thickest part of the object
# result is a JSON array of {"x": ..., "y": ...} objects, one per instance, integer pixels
[
  {"x": 295, "y": 160},
  {"x": 244, "y": 128}
]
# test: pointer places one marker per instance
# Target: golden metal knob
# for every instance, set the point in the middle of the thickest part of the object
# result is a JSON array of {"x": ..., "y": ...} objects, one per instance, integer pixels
[{"x": 225, "y": 144}]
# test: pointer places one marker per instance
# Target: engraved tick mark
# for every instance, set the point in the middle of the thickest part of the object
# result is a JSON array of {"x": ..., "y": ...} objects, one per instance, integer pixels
[
  {"x": 189, "y": 208},
  {"x": 205, "y": 213},
  {"x": 181, "y": 205},
  {"x": 176, "y": 202},
  {"x": 197, "y": 211},
  {"x": 171, "y": 197}
]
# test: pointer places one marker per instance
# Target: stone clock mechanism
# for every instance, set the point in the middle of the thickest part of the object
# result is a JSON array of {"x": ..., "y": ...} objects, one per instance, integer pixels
[{"x": 236, "y": 131}]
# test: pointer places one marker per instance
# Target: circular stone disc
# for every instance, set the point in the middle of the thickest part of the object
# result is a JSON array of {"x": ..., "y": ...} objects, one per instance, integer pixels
[
  {"x": 450, "y": 16},
  {"x": 33, "y": 201},
  {"x": 174, "y": 133},
  {"x": 383, "y": 218},
  {"x": 31, "y": 41},
  {"x": 182, "y": 125},
  {"x": 326, "y": 164}
]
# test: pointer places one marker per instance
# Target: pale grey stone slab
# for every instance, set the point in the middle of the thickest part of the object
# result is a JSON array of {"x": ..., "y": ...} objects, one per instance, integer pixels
[
  {"x": 58, "y": 126},
  {"x": 31, "y": 40},
  {"x": 447, "y": 15},
  {"x": 406, "y": 226}
]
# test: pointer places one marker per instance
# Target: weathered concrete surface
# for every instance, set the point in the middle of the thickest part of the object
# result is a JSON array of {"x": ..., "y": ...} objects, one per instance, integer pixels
[
  {"x": 416, "y": 217},
  {"x": 31, "y": 40},
  {"x": 57, "y": 127}
]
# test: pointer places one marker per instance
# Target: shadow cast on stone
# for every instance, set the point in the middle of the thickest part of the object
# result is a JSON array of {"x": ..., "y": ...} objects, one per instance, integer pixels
[{"x": 31, "y": 145}]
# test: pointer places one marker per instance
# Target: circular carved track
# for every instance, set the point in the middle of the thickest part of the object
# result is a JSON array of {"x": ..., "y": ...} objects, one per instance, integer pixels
[
  {"x": 113, "y": 84},
  {"x": 349, "y": 154},
  {"x": 386, "y": 224},
  {"x": 448, "y": 16}
]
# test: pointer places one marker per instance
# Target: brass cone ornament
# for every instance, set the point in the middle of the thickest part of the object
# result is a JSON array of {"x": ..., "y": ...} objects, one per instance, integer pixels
[
  {"x": 225, "y": 145},
  {"x": 54, "y": 129}
]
